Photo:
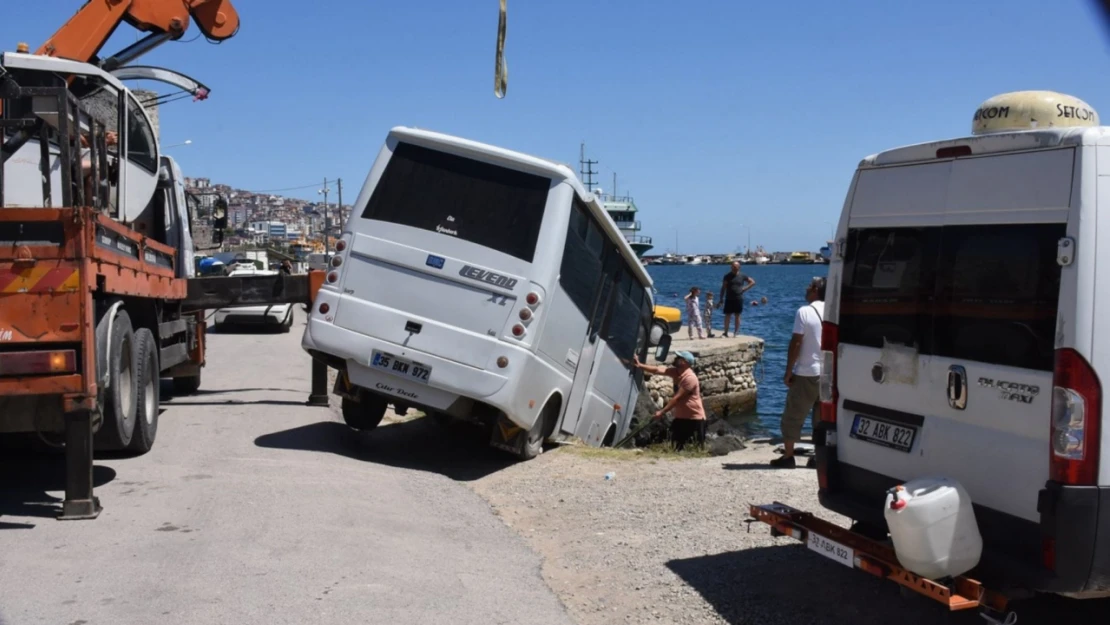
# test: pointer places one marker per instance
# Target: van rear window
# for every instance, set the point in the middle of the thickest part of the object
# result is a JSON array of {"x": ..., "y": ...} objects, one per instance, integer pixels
[
  {"x": 492, "y": 206},
  {"x": 978, "y": 293}
]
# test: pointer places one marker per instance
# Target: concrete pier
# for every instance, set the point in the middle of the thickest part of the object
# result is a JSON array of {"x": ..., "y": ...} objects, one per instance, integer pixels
[{"x": 725, "y": 369}]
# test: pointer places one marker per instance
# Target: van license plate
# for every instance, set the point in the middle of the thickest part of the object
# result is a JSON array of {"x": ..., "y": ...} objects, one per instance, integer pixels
[
  {"x": 831, "y": 549},
  {"x": 883, "y": 433},
  {"x": 400, "y": 366}
]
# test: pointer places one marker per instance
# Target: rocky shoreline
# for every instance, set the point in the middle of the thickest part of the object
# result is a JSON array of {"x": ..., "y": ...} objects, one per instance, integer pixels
[{"x": 725, "y": 368}]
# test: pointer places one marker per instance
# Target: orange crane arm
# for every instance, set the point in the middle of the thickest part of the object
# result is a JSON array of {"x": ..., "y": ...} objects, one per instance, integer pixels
[{"x": 82, "y": 37}]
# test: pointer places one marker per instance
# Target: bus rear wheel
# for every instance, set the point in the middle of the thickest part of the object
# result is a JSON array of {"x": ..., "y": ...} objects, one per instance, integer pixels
[
  {"x": 366, "y": 413},
  {"x": 541, "y": 429}
]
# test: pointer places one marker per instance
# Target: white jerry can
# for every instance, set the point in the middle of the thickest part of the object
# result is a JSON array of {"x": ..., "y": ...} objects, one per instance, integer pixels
[{"x": 933, "y": 527}]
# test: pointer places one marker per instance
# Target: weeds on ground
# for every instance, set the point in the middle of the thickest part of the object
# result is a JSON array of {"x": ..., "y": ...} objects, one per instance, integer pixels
[{"x": 665, "y": 451}]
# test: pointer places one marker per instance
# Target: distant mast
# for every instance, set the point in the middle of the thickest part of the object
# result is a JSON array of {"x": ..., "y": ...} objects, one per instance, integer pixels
[{"x": 586, "y": 169}]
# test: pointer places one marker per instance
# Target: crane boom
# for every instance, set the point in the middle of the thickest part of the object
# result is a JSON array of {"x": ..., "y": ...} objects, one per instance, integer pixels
[{"x": 82, "y": 37}]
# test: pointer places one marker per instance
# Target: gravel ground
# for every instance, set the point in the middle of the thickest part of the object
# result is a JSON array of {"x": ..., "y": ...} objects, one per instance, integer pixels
[{"x": 664, "y": 541}]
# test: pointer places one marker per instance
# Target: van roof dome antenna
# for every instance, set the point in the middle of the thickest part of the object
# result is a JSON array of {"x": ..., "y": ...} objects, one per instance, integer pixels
[{"x": 1030, "y": 110}]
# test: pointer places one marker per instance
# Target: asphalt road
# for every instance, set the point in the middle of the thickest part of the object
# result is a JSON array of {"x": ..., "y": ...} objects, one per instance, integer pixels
[{"x": 254, "y": 508}]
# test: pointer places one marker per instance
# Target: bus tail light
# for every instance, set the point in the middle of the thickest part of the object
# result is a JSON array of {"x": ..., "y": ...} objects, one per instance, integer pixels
[
  {"x": 333, "y": 277},
  {"x": 830, "y": 341},
  {"x": 336, "y": 261},
  {"x": 324, "y": 308},
  {"x": 525, "y": 314},
  {"x": 340, "y": 245},
  {"x": 1076, "y": 413},
  {"x": 502, "y": 362},
  {"x": 533, "y": 299},
  {"x": 518, "y": 331}
]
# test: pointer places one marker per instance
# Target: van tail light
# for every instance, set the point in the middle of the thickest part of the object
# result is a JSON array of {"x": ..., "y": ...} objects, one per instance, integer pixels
[
  {"x": 1076, "y": 416},
  {"x": 830, "y": 341}
]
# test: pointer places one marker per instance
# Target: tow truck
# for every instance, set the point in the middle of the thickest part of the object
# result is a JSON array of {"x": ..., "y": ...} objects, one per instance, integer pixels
[{"x": 98, "y": 294}]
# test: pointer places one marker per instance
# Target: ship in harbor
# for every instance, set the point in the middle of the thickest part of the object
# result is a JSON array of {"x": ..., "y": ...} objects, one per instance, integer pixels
[
  {"x": 623, "y": 211},
  {"x": 621, "y": 208}
]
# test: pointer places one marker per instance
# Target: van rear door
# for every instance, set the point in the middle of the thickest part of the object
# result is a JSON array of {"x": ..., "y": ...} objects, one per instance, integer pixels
[{"x": 947, "y": 324}]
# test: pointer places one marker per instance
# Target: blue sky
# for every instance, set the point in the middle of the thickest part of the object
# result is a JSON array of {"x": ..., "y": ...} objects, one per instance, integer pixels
[{"x": 717, "y": 116}]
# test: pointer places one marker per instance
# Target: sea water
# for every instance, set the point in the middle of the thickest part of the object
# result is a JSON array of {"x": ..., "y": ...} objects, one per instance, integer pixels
[{"x": 784, "y": 286}]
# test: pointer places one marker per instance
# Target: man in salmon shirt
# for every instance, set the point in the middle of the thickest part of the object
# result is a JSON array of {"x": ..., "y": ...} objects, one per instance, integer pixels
[{"x": 689, "y": 414}]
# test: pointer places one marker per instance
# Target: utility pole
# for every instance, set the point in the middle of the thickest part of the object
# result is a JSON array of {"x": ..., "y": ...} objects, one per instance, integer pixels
[
  {"x": 339, "y": 204},
  {"x": 586, "y": 169},
  {"x": 327, "y": 217}
]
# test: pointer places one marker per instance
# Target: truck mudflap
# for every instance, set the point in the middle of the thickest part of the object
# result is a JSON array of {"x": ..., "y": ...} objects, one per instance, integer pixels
[{"x": 858, "y": 552}]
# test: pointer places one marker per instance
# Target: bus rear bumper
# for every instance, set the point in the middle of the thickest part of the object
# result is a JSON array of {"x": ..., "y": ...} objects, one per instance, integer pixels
[{"x": 447, "y": 382}]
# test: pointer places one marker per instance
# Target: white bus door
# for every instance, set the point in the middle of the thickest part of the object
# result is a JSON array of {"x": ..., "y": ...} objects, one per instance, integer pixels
[{"x": 590, "y": 352}]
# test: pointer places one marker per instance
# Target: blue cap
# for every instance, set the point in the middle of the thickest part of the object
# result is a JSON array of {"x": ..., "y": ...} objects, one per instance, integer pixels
[{"x": 687, "y": 356}]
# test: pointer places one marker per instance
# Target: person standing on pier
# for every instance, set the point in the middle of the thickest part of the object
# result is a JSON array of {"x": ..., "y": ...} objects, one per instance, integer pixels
[
  {"x": 709, "y": 314},
  {"x": 693, "y": 312},
  {"x": 733, "y": 287},
  {"x": 803, "y": 371}
]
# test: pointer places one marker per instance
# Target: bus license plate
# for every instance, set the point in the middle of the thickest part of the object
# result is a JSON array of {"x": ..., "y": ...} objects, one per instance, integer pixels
[
  {"x": 400, "y": 366},
  {"x": 883, "y": 433}
]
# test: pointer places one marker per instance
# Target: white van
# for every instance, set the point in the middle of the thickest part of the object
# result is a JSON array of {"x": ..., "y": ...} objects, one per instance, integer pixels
[
  {"x": 475, "y": 282},
  {"x": 965, "y": 336}
]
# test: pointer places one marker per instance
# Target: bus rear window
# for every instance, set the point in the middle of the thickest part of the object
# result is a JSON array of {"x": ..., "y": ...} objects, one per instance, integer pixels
[{"x": 489, "y": 205}]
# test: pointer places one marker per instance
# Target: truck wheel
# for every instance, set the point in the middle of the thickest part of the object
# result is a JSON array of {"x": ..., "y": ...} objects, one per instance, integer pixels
[
  {"x": 147, "y": 384},
  {"x": 120, "y": 400},
  {"x": 657, "y": 332},
  {"x": 366, "y": 413},
  {"x": 186, "y": 385}
]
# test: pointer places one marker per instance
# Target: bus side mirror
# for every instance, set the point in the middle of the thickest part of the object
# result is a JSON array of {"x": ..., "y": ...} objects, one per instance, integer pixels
[{"x": 663, "y": 348}]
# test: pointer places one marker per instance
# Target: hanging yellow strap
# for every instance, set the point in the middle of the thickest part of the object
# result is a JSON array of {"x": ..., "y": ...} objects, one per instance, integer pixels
[{"x": 501, "y": 69}]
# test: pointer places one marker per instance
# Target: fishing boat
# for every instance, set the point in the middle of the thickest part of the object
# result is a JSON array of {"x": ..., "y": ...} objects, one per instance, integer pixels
[
  {"x": 826, "y": 251},
  {"x": 800, "y": 258},
  {"x": 759, "y": 256}
]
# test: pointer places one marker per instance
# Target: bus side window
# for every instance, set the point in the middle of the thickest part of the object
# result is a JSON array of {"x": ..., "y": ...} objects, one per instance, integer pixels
[{"x": 580, "y": 269}]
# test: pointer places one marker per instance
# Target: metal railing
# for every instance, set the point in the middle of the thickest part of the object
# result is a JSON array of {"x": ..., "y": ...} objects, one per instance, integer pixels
[
  {"x": 74, "y": 129},
  {"x": 637, "y": 238},
  {"x": 628, "y": 225}
]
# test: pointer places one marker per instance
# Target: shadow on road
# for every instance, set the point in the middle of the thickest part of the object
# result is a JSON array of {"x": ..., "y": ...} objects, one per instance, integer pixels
[
  {"x": 252, "y": 328},
  {"x": 790, "y": 584},
  {"x": 26, "y": 478},
  {"x": 167, "y": 389},
  {"x": 457, "y": 451},
  {"x": 236, "y": 402}
]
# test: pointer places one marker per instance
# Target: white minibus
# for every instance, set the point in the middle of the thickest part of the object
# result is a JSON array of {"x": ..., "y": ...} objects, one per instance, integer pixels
[{"x": 476, "y": 282}]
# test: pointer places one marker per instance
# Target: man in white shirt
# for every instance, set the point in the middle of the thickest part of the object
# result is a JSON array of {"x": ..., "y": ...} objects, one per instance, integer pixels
[{"x": 803, "y": 370}]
